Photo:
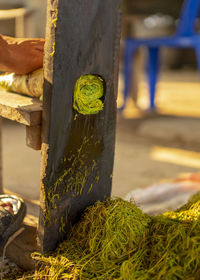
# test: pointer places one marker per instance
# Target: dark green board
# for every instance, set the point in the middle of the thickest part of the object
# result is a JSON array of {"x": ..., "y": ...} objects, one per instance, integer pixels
[{"x": 78, "y": 150}]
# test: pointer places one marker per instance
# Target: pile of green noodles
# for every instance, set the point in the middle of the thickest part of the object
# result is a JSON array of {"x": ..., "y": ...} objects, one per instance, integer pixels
[
  {"x": 89, "y": 90},
  {"x": 115, "y": 240}
]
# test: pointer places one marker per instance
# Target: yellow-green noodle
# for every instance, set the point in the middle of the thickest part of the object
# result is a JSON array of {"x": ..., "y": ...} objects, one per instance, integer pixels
[
  {"x": 89, "y": 90},
  {"x": 115, "y": 240}
]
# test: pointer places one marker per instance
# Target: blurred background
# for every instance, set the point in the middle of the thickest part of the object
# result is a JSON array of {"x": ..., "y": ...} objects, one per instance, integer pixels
[
  {"x": 157, "y": 157},
  {"x": 34, "y": 18}
]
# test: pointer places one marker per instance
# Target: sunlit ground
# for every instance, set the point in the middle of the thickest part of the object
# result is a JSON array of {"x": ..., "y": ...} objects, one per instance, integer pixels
[
  {"x": 176, "y": 156},
  {"x": 178, "y": 94},
  {"x": 152, "y": 149}
]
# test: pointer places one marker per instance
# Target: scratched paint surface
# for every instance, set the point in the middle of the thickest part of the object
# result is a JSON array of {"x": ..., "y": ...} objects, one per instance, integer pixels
[{"x": 78, "y": 150}]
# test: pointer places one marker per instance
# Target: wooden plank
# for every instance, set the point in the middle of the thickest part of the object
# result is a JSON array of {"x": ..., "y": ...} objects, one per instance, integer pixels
[
  {"x": 19, "y": 108},
  {"x": 33, "y": 137},
  {"x": 77, "y": 150},
  {"x": 19, "y": 251}
]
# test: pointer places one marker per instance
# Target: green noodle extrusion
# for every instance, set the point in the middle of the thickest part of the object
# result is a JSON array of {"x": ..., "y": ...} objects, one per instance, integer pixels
[{"x": 89, "y": 90}]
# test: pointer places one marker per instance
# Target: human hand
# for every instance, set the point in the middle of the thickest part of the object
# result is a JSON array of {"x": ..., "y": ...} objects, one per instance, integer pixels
[{"x": 21, "y": 55}]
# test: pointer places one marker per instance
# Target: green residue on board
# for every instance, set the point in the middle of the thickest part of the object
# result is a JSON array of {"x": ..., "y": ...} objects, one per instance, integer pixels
[
  {"x": 63, "y": 223},
  {"x": 75, "y": 117},
  {"x": 75, "y": 177},
  {"x": 61, "y": 178},
  {"x": 54, "y": 22},
  {"x": 90, "y": 188},
  {"x": 89, "y": 90},
  {"x": 77, "y": 166},
  {"x": 64, "y": 220},
  {"x": 97, "y": 178},
  {"x": 53, "y": 50},
  {"x": 55, "y": 18},
  {"x": 50, "y": 204}
]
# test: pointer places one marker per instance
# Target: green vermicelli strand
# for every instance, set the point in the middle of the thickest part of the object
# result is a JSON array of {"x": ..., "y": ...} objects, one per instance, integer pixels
[
  {"x": 115, "y": 240},
  {"x": 87, "y": 93}
]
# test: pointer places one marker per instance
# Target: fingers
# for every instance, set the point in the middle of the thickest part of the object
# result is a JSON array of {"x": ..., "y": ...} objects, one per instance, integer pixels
[{"x": 26, "y": 56}]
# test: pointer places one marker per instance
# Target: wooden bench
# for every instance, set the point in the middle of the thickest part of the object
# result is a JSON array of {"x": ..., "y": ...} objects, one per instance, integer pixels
[{"x": 24, "y": 110}]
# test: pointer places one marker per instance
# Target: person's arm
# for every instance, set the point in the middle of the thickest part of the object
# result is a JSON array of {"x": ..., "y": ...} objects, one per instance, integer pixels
[{"x": 20, "y": 55}]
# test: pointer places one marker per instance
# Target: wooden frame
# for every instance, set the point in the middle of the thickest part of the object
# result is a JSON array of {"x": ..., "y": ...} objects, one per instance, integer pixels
[{"x": 77, "y": 150}]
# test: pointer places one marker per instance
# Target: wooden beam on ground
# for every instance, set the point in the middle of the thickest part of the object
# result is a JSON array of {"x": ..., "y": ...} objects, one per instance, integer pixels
[
  {"x": 77, "y": 150},
  {"x": 19, "y": 251},
  {"x": 33, "y": 137},
  {"x": 20, "y": 108}
]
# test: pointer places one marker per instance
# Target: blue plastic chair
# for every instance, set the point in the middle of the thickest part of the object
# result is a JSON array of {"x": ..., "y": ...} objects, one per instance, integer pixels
[{"x": 184, "y": 37}]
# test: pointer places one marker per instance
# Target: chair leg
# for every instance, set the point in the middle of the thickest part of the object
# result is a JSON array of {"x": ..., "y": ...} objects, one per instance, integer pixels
[
  {"x": 152, "y": 73},
  {"x": 129, "y": 52}
]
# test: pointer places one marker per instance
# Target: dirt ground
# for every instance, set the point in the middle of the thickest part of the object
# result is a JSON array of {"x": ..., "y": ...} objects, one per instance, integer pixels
[{"x": 149, "y": 147}]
